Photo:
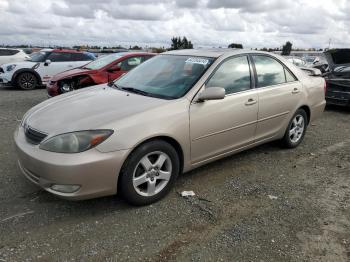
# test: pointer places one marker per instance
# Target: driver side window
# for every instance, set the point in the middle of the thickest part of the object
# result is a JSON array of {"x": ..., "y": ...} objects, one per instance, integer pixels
[{"x": 233, "y": 75}]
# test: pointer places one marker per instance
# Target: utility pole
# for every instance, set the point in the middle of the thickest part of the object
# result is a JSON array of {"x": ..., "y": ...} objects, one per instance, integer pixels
[{"x": 329, "y": 43}]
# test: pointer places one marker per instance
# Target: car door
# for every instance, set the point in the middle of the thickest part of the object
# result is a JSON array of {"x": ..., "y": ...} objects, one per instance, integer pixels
[
  {"x": 59, "y": 62},
  {"x": 279, "y": 94},
  {"x": 220, "y": 126},
  {"x": 125, "y": 66}
]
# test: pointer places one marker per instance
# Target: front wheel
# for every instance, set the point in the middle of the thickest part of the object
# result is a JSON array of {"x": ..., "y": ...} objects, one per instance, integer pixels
[
  {"x": 296, "y": 129},
  {"x": 26, "y": 81},
  {"x": 149, "y": 173}
]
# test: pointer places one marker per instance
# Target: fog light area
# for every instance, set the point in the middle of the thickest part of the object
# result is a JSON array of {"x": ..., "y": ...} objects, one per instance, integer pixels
[{"x": 65, "y": 188}]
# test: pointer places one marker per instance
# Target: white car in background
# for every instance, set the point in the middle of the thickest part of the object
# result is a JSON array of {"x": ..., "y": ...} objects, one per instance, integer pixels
[
  {"x": 298, "y": 61},
  {"x": 10, "y": 55},
  {"x": 41, "y": 66}
]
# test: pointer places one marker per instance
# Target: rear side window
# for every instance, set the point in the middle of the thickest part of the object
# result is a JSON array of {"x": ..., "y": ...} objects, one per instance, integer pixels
[
  {"x": 81, "y": 57},
  {"x": 8, "y": 52},
  {"x": 233, "y": 75},
  {"x": 269, "y": 71},
  {"x": 60, "y": 57}
]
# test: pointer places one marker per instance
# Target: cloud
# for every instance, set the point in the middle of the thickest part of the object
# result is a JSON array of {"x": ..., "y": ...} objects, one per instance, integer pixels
[
  {"x": 250, "y": 6},
  {"x": 212, "y": 23}
]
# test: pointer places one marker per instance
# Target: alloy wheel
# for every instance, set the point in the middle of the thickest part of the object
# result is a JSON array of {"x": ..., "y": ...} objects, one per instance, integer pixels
[
  {"x": 27, "y": 81},
  {"x": 152, "y": 173},
  {"x": 297, "y": 129}
]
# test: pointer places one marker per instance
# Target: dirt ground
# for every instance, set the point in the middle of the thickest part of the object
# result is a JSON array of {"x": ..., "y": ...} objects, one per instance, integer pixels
[{"x": 265, "y": 204}]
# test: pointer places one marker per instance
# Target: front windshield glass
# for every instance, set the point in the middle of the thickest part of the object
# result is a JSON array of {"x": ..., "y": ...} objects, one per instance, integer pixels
[
  {"x": 166, "y": 76},
  {"x": 39, "y": 56},
  {"x": 103, "y": 61}
]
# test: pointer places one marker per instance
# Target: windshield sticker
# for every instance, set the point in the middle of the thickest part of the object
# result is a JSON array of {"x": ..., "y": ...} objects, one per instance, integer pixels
[{"x": 194, "y": 60}]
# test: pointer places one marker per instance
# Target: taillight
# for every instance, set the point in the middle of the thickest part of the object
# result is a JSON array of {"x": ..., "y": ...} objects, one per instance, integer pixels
[{"x": 325, "y": 86}]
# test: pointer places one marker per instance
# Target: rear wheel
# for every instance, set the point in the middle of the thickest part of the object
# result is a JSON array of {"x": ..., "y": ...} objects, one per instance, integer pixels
[
  {"x": 26, "y": 81},
  {"x": 149, "y": 173},
  {"x": 296, "y": 129}
]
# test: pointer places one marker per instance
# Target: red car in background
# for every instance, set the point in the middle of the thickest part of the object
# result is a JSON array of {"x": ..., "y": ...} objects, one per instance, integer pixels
[{"x": 102, "y": 70}]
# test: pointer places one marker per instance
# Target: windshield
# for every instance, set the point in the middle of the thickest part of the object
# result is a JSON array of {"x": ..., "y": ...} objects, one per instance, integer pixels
[
  {"x": 103, "y": 61},
  {"x": 166, "y": 76},
  {"x": 39, "y": 56}
]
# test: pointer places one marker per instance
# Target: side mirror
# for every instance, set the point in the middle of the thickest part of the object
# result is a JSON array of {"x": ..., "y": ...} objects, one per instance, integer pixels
[
  {"x": 212, "y": 93},
  {"x": 47, "y": 62},
  {"x": 113, "y": 68}
]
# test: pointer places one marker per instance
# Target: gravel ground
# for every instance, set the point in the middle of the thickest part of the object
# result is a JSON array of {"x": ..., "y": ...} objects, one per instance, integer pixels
[{"x": 265, "y": 204}]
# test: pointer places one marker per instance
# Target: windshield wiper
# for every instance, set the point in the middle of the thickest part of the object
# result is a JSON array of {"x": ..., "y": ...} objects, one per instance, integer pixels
[
  {"x": 136, "y": 91},
  {"x": 132, "y": 90}
]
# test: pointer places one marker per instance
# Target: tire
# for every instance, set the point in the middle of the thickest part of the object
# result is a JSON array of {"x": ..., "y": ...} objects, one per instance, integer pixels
[
  {"x": 298, "y": 123},
  {"x": 26, "y": 81},
  {"x": 149, "y": 173}
]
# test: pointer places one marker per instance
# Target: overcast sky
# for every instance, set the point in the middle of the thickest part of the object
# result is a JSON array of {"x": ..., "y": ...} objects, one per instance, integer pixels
[{"x": 211, "y": 23}]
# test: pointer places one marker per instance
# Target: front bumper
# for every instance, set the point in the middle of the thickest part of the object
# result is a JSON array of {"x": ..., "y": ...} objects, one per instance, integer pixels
[
  {"x": 338, "y": 92},
  {"x": 52, "y": 89},
  {"x": 5, "y": 78},
  {"x": 341, "y": 98},
  {"x": 96, "y": 173}
]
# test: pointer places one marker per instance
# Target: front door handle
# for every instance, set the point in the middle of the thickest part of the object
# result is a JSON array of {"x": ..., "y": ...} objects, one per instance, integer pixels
[
  {"x": 250, "y": 102},
  {"x": 295, "y": 91}
]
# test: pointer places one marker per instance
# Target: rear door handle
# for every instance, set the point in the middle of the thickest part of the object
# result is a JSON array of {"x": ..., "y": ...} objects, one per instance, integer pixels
[
  {"x": 295, "y": 91},
  {"x": 250, "y": 102}
]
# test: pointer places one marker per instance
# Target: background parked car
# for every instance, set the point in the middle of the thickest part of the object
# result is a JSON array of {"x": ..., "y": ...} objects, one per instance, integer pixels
[
  {"x": 41, "y": 67},
  {"x": 338, "y": 77},
  {"x": 298, "y": 61},
  {"x": 10, "y": 55},
  {"x": 102, "y": 70}
]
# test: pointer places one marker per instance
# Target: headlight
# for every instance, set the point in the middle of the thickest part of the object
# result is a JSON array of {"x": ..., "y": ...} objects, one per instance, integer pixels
[
  {"x": 75, "y": 142},
  {"x": 10, "y": 68}
]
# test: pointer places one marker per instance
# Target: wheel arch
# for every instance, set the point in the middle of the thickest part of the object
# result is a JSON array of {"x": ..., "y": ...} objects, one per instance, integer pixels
[
  {"x": 26, "y": 70},
  {"x": 307, "y": 111},
  {"x": 173, "y": 142}
]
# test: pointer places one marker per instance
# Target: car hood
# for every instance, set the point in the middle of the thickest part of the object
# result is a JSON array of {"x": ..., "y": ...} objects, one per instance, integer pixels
[
  {"x": 338, "y": 57},
  {"x": 72, "y": 72},
  {"x": 90, "y": 108}
]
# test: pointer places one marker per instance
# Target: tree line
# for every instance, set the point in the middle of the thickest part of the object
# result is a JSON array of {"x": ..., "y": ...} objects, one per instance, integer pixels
[{"x": 177, "y": 42}]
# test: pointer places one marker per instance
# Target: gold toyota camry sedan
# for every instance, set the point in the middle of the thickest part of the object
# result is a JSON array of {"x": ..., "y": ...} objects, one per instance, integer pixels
[{"x": 175, "y": 112}]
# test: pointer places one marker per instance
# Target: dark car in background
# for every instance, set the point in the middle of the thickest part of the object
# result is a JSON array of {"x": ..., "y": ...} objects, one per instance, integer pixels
[
  {"x": 338, "y": 77},
  {"x": 103, "y": 70}
]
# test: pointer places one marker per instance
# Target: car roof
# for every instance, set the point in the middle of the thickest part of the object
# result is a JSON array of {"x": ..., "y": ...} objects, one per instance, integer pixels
[
  {"x": 67, "y": 51},
  {"x": 61, "y": 50},
  {"x": 9, "y": 48},
  {"x": 212, "y": 52},
  {"x": 134, "y": 53}
]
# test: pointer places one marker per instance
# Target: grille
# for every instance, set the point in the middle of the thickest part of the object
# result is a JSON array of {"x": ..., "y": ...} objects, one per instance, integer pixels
[{"x": 34, "y": 136}]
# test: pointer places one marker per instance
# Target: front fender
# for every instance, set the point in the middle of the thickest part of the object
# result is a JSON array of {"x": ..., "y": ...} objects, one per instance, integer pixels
[{"x": 29, "y": 70}]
